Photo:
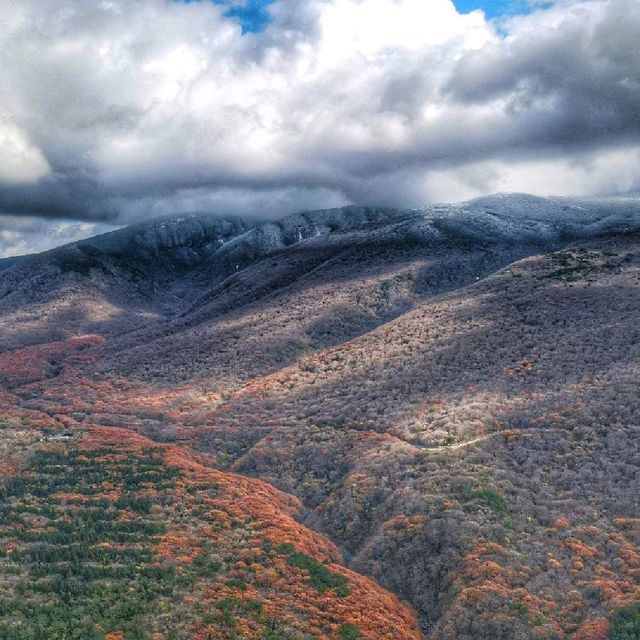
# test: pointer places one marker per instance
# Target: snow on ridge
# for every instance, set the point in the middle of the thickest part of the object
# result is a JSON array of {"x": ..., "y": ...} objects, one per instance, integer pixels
[{"x": 189, "y": 239}]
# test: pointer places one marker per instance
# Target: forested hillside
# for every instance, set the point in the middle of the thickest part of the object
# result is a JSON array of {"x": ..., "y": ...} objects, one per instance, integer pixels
[{"x": 316, "y": 427}]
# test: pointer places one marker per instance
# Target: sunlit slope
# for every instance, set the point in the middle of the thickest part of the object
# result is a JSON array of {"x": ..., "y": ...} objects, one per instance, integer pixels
[{"x": 106, "y": 535}]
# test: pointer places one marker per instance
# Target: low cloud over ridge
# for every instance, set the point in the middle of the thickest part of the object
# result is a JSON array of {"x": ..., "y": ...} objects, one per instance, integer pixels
[{"x": 116, "y": 111}]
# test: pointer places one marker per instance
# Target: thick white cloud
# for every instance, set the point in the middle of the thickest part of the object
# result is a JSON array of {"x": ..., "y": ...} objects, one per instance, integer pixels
[
  {"x": 19, "y": 161},
  {"x": 124, "y": 109}
]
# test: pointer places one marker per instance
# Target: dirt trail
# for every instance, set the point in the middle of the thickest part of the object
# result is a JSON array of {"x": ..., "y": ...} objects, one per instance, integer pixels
[{"x": 460, "y": 445}]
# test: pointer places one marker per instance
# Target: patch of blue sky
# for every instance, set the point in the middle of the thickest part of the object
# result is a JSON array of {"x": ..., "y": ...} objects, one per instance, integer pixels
[
  {"x": 252, "y": 14},
  {"x": 499, "y": 8}
]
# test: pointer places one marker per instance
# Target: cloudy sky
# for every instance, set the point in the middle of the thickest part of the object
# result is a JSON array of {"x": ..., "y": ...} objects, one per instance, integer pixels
[{"x": 113, "y": 111}]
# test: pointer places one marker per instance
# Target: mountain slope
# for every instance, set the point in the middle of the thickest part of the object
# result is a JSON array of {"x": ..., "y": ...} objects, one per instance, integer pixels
[
  {"x": 479, "y": 454},
  {"x": 111, "y": 282},
  {"x": 325, "y": 277},
  {"x": 151, "y": 272},
  {"x": 5, "y": 263},
  {"x": 451, "y": 392},
  {"x": 107, "y": 535}
]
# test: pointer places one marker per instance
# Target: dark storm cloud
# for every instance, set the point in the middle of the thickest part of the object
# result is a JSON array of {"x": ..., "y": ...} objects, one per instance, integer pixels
[
  {"x": 116, "y": 111},
  {"x": 65, "y": 195},
  {"x": 574, "y": 80}
]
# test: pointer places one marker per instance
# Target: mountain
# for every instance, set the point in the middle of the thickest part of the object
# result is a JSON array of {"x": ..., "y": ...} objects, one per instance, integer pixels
[
  {"x": 111, "y": 282},
  {"x": 5, "y": 263},
  {"x": 450, "y": 394}
]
